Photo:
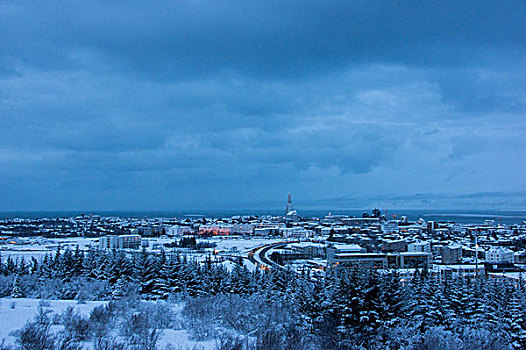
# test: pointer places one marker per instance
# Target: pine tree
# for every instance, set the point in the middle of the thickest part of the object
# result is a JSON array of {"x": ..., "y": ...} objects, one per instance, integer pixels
[
  {"x": 512, "y": 321},
  {"x": 57, "y": 266},
  {"x": 17, "y": 289},
  {"x": 34, "y": 266},
  {"x": 67, "y": 265},
  {"x": 162, "y": 283},
  {"x": 118, "y": 292},
  {"x": 193, "y": 280},
  {"x": 175, "y": 281},
  {"x": 145, "y": 274},
  {"x": 309, "y": 300},
  {"x": 78, "y": 260},
  {"x": 492, "y": 304},
  {"x": 391, "y": 303},
  {"x": 22, "y": 268},
  {"x": 45, "y": 267},
  {"x": 89, "y": 263},
  {"x": 473, "y": 301},
  {"x": 10, "y": 266}
]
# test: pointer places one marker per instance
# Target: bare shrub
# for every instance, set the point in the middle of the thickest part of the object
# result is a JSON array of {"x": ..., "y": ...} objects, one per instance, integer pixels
[
  {"x": 35, "y": 336},
  {"x": 65, "y": 342},
  {"x": 140, "y": 332},
  {"x": 43, "y": 312},
  {"x": 108, "y": 343},
  {"x": 229, "y": 341},
  {"x": 77, "y": 327}
]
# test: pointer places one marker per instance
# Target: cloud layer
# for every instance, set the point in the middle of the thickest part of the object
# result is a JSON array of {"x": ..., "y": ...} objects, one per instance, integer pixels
[{"x": 232, "y": 104}]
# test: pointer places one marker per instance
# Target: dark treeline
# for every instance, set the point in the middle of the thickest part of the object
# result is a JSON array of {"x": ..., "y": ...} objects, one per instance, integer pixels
[{"x": 346, "y": 309}]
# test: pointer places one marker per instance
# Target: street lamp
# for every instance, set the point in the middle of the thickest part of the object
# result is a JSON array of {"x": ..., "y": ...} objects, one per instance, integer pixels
[{"x": 476, "y": 256}]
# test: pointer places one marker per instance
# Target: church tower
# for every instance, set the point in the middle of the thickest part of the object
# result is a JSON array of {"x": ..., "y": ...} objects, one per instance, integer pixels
[{"x": 289, "y": 205}]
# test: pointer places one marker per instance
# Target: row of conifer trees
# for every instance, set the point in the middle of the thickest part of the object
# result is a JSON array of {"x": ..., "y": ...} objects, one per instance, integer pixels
[{"x": 345, "y": 306}]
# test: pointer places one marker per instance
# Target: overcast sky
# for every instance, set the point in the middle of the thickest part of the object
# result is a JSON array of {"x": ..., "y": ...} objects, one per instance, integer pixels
[{"x": 233, "y": 104}]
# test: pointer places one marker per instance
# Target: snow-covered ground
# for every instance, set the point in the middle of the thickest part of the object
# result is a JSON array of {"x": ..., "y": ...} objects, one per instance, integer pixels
[
  {"x": 38, "y": 247},
  {"x": 14, "y": 313},
  {"x": 179, "y": 340}
]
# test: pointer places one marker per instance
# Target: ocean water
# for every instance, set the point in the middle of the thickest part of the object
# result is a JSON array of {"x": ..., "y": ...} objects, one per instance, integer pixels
[{"x": 461, "y": 216}]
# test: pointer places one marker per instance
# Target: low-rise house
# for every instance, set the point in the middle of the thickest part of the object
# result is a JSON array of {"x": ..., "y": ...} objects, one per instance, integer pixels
[{"x": 499, "y": 255}]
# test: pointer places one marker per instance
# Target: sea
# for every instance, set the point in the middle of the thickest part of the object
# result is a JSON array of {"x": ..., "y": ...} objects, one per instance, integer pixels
[{"x": 443, "y": 215}]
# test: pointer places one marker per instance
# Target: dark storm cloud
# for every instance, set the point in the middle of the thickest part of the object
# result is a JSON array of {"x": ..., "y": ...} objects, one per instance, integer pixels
[
  {"x": 271, "y": 38},
  {"x": 116, "y": 104}
]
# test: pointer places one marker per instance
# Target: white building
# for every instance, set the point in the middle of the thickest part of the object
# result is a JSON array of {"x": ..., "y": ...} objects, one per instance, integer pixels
[
  {"x": 423, "y": 247},
  {"x": 334, "y": 249},
  {"x": 499, "y": 255},
  {"x": 294, "y": 232},
  {"x": 243, "y": 229},
  {"x": 179, "y": 230},
  {"x": 309, "y": 249},
  {"x": 120, "y": 242}
]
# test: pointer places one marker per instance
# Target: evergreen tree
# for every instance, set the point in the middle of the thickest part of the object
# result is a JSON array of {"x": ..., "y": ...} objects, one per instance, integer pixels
[
  {"x": 145, "y": 274},
  {"x": 174, "y": 276},
  {"x": 17, "y": 288},
  {"x": 46, "y": 268},
  {"x": 118, "y": 292},
  {"x": 10, "y": 266},
  {"x": 162, "y": 282}
]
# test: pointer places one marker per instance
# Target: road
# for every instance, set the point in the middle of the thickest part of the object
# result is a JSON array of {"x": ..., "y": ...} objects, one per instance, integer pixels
[{"x": 259, "y": 255}]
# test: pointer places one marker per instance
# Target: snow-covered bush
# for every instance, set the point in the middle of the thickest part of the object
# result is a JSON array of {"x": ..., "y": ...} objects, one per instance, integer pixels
[
  {"x": 6, "y": 285},
  {"x": 140, "y": 331},
  {"x": 65, "y": 342},
  {"x": 230, "y": 341},
  {"x": 160, "y": 313},
  {"x": 108, "y": 343},
  {"x": 77, "y": 326},
  {"x": 43, "y": 313},
  {"x": 4, "y": 346},
  {"x": 200, "y": 329},
  {"x": 436, "y": 338},
  {"x": 272, "y": 325},
  {"x": 482, "y": 339},
  {"x": 35, "y": 336}
]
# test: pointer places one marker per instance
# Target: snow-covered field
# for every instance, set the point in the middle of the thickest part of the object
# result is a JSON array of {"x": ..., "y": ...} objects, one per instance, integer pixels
[
  {"x": 179, "y": 340},
  {"x": 14, "y": 313},
  {"x": 38, "y": 247}
]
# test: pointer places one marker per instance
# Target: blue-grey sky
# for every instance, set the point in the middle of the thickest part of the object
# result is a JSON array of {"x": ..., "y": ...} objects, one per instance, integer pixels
[{"x": 232, "y": 104}]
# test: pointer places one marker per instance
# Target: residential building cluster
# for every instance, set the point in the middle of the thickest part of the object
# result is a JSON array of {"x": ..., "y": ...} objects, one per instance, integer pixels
[{"x": 372, "y": 240}]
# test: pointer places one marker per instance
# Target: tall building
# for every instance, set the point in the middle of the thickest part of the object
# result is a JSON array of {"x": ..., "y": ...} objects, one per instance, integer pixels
[
  {"x": 451, "y": 254},
  {"x": 289, "y": 205},
  {"x": 120, "y": 242},
  {"x": 290, "y": 214}
]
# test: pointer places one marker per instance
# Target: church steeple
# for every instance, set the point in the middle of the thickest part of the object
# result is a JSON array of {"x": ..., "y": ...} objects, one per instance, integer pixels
[{"x": 289, "y": 205}]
